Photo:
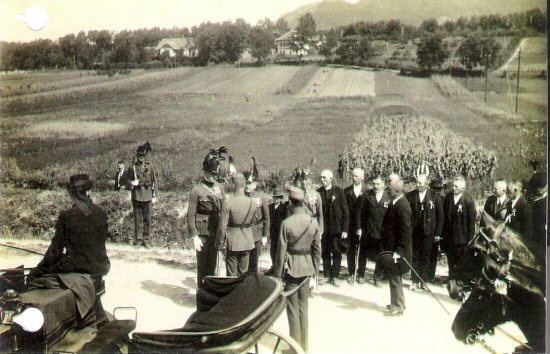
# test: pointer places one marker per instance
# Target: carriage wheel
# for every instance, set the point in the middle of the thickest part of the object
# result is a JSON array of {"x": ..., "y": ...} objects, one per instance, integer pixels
[{"x": 274, "y": 342}]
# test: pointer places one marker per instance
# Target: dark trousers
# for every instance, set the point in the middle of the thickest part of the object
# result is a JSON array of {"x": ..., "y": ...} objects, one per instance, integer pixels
[
  {"x": 396, "y": 291},
  {"x": 422, "y": 251},
  {"x": 352, "y": 252},
  {"x": 297, "y": 309},
  {"x": 273, "y": 250},
  {"x": 370, "y": 248},
  {"x": 206, "y": 259},
  {"x": 142, "y": 220},
  {"x": 254, "y": 260},
  {"x": 332, "y": 259},
  {"x": 455, "y": 253},
  {"x": 433, "y": 262},
  {"x": 237, "y": 262}
]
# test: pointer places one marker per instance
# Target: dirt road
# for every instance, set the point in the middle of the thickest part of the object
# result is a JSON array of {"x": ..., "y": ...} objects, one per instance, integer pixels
[{"x": 348, "y": 319}]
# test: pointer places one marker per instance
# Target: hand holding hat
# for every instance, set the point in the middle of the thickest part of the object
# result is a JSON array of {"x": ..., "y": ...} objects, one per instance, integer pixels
[{"x": 197, "y": 243}]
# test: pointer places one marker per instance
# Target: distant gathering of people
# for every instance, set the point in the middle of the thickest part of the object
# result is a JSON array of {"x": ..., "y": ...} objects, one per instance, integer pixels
[{"x": 373, "y": 220}]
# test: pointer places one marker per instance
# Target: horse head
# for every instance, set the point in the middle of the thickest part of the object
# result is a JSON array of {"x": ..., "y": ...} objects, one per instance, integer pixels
[{"x": 503, "y": 275}]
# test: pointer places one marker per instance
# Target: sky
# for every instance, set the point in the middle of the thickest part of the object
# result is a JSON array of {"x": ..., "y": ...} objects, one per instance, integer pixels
[{"x": 72, "y": 16}]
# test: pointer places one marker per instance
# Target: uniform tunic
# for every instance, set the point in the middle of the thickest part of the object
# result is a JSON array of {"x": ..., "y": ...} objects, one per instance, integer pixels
[
  {"x": 203, "y": 215},
  {"x": 260, "y": 228},
  {"x": 299, "y": 249},
  {"x": 142, "y": 194}
]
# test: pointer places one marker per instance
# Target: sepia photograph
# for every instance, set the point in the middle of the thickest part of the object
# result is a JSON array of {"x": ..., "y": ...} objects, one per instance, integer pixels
[{"x": 273, "y": 176}]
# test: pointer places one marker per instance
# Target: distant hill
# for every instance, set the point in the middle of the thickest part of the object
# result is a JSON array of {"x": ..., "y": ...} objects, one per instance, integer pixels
[{"x": 333, "y": 13}]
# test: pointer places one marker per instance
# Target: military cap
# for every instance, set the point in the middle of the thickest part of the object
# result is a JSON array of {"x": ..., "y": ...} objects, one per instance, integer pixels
[
  {"x": 239, "y": 181},
  {"x": 80, "y": 181},
  {"x": 142, "y": 150},
  {"x": 296, "y": 194},
  {"x": 539, "y": 180}
]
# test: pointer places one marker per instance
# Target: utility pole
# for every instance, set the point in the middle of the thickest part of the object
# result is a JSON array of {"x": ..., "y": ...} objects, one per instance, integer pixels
[
  {"x": 486, "y": 64},
  {"x": 517, "y": 85}
]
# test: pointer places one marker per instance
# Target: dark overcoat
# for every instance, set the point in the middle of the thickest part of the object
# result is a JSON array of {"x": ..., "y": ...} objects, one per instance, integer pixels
[{"x": 397, "y": 233}]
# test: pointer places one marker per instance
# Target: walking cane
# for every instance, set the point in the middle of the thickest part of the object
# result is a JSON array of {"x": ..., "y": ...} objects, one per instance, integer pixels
[
  {"x": 219, "y": 257},
  {"x": 424, "y": 283},
  {"x": 357, "y": 259}
]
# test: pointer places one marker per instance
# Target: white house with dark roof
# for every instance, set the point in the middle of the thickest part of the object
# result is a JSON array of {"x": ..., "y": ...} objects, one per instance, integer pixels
[
  {"x": 186, "y": 46},
  {"x": 284, "y": 45}
]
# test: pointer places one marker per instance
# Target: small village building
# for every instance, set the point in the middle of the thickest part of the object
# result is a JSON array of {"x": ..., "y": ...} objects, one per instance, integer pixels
[{"x": 172, "y": 46}]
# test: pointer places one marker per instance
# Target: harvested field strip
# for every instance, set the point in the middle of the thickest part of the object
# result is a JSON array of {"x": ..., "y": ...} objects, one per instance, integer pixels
[
  {"x": 331, "y": 82},
  {"x": 534, "y": 56},
  {"x": 73, "y": 130}
]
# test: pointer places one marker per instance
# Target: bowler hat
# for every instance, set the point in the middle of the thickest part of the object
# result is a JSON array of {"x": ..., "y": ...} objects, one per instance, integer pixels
[
  {"x": 341, "y": 245},
  {"x": 80, "y": 181},
  {"x": 278, "y": 192},
  {"x": 385, "y": 266}
]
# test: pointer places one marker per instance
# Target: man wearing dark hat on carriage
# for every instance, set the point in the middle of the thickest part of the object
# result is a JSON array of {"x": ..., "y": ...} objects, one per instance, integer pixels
[
  {"x": 297, "y": 259},
  {"x": 236, "y": 228},
  {"x": 426, "y": 223},
  {"x": 278, "y": 211},
  {"x": 397, "y": 238},
  {"x": 203, "y": 216},
  {"x": 335, "y": 230},
  {"x": 141, "y": 180},
  {"x": 260, "y": 224},
  {"x": 78, "y": 245}
]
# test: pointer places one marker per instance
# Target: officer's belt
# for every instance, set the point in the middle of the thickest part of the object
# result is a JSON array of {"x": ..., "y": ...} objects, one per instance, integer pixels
[
  {"x": 298, "y": 252},
  {"x": 239, "y": 226}
]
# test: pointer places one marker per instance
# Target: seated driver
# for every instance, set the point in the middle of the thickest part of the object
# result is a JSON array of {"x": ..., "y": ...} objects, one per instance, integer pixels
[{"x": 78, "y": 246}]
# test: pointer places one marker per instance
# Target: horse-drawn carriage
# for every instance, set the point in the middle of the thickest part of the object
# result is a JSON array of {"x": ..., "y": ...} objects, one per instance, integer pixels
[{"x": 234, "y": 315}]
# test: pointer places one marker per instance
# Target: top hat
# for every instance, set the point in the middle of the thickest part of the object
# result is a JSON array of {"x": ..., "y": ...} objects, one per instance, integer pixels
[
  {"x": 342, "y": 245},
  {"x": 385, "y": 265}
]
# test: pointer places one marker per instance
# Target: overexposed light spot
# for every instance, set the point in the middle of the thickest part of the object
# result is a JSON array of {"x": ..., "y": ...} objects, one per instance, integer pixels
[{"x": 35, "y": 17}]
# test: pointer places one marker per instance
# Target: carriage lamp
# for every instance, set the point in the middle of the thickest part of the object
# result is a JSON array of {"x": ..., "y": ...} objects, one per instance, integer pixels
[
  {"x": 11, "y": 312},
  {"x": 10, "y": 305}
]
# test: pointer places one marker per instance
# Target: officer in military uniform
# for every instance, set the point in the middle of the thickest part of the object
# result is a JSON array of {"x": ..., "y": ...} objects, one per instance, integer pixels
[
  {"x": 236, "y": 228},
  {"x": 298, "y": 258},
  {"x": 203, "y": 215},
  {"x": 141, "y": 181},
  {"x": 260, "y": 221}
]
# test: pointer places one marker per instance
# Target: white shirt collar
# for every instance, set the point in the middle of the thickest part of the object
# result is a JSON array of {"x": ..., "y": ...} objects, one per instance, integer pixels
[
  {"x": 515, "y": 201},
  {"x": 422, "y": 195},
  {"x": 397, "y": 199},
  {"x": 457, "y": 197},
  {"x": 357, "y": 189},
  {"x": 501, "y": 199},
  {"x": 378, "y": 196}
]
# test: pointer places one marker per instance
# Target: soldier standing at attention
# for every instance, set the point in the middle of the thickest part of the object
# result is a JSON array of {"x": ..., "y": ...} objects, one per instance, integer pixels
[
  {"x": 141, "y": 178},
  {"x": 278, "y": 211},
  {"x": 236, "y": 228},
  {"x": 299, "y": 250},
  {"x": 203, "y": 215},
  {"x": 260, "y": 221}
]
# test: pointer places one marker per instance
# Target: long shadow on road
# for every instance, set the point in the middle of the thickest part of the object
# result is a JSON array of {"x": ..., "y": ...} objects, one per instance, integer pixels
[
  {"x": 351, "y": 303},
  {"x": 177, "y": 294}
]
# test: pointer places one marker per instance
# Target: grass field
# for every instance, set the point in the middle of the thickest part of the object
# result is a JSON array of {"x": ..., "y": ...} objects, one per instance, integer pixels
[{"x": 282, "y": 115}]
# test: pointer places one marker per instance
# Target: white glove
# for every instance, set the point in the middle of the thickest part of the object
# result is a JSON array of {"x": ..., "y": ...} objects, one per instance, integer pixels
[
  {"x": 154, "y": 200},
  {"x": 396, "y": 256},
  {"x": 359, "y": 232},
  {"x": 264, "y": 241},
  {"x": 197, "y": 243},
  {"x": 134, "y": 182},
  {"x": 344, "y": 235},
  {"x": 437, "y": 238}
]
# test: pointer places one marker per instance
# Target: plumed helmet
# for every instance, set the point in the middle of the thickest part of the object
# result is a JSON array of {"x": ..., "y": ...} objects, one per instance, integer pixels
[{"x": 211, "y": 162}]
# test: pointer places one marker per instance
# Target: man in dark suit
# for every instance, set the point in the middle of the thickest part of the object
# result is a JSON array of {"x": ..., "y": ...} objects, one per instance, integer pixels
[
  {"x": 260, "y": 221},
  {"x": 426, "y": 223},
  {"x": 519, "y": 216},
  {"x": 396, "y": 238},
  {"x": 539, "y": 192},
  {"x": 120, "y": 182},
  {"x": 370, "y": 215},
  {"x": 336, "y": 220},
  {"x": 299, "y": 248},
  {"x": 353, "y": 194},
  {"x": 278, "y": 211},
  {"x": 496, "y": 204},
  {"x": 458, "y": 225}
]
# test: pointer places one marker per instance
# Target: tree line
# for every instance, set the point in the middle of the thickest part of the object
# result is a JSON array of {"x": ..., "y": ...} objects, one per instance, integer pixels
[{"x": 224, "y": 42}]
